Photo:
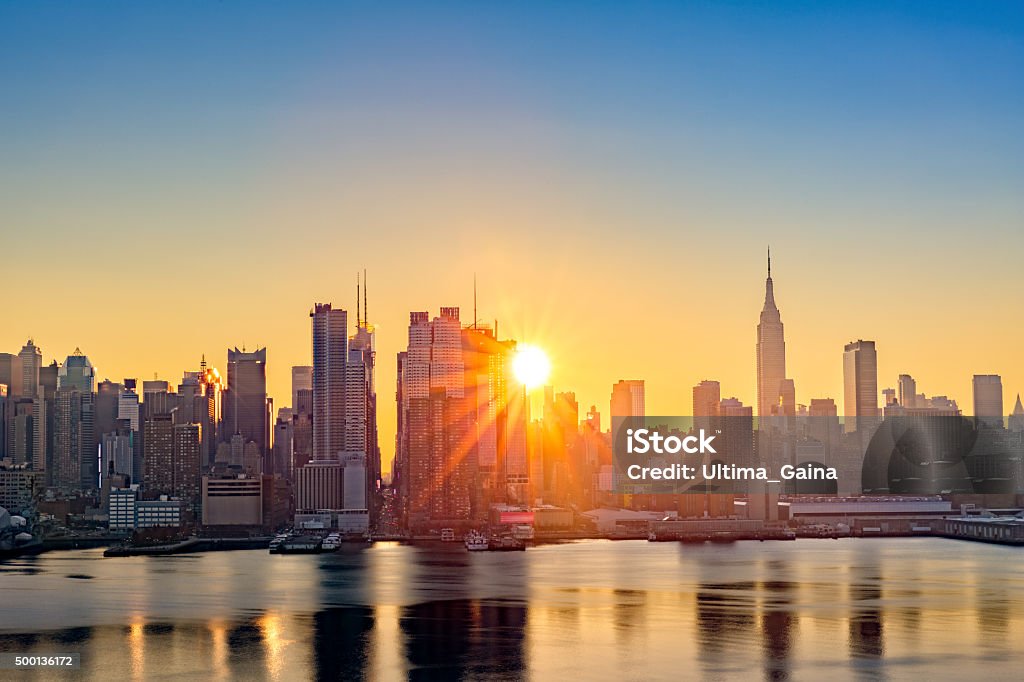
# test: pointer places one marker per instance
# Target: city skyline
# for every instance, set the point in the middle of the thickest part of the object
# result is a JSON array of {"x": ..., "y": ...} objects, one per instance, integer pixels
[
  {"x": 681, "y": 404},
  {"x": 609, "y": 181},
  {"x": 533, "y": 340}
]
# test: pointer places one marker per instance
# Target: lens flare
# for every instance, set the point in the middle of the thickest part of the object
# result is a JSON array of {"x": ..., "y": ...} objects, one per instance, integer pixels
[{"x": 531, "y": 366}]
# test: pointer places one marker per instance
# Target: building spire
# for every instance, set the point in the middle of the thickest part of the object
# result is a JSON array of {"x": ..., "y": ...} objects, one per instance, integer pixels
[
  {"x": 359, "y": 320},
  {"x": 366, "y": 311},
  {"x": 769, "y": 289}
]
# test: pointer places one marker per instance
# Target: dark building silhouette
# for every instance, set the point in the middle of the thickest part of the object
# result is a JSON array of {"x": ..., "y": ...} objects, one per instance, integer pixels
[{"x": 245, "y": 400}]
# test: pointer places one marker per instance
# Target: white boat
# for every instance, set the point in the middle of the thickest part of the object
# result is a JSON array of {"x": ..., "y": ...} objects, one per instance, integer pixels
[
  {"x": 522, "y": 531},
  {"x": 476, "y": 542},
  {"x": 331, "y": 543}
]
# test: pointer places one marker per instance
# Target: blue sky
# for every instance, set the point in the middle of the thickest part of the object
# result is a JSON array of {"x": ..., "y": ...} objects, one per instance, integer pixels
[{"x": 542, "y": 145}]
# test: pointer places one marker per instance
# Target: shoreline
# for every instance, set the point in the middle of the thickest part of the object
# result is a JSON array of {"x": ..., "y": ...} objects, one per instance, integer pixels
[{"x": 204, "y": 545}]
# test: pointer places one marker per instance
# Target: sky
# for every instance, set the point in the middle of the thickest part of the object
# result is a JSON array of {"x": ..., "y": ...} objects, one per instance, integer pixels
[{"x": 180, "y": 178}]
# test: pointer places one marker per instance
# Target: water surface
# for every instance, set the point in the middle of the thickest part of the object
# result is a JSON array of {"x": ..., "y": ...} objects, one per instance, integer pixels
[{"x": 881, "y": 609}]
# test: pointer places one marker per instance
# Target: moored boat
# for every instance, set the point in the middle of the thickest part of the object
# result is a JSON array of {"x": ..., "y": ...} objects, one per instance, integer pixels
[
  {"x": 506, "y": 544},
  {"x": 477, "y": 542}
]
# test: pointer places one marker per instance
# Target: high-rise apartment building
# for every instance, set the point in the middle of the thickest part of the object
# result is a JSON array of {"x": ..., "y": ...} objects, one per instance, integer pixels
[
  {"x": 75, "y": 458},
  {"x": 172, "y": 460},
  {"x": 438, "y": 457}
]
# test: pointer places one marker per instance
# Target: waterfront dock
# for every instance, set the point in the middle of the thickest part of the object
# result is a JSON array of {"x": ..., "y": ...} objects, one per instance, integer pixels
[{"x": 189, "y": 546}]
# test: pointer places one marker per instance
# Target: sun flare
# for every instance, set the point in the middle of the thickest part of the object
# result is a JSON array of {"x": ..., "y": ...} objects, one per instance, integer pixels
[{"x": 531, "y": 366}]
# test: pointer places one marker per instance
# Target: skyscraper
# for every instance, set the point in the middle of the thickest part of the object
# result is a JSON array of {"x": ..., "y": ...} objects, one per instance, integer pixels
[
  {"x": 245, "y": 401},
  {"x": 5, "y": 405},
  {"x": 75, "y": 458},
  {"x": 75, "y": 442},
  {"x": 736, "y": 423},
  {"x": 10, "y": 374},
  {"x": 302, "y": 380},
  {"x": 128, "y": 411},
  {"x": 823, "y": 424},
  {"x": 330, "y": 353},
  {"x": 209, "y": 410},
  {"x": 108, "y": 395},
  {"x": 284, "y": 442},
  {"x": 361, "y": 400},
  {"x": 771, "y": 352},
  {"x": 172, "y": 459},
  {"x": 486, "y": 390},
  {"x": 628, "y": 398},
  {"x": 860, "y": 386},
  {"x": 31, "y": 359},
  {"x": 706, "y": 396},
  {"x": 77, "y": 372},
  {"x": 42, "y": 409},
  {"x": 438, "y": 458},
  {"x": 988, "y": 399},
  {"x": 907, "y": 391},
  {"x": 302, "y": 433}
]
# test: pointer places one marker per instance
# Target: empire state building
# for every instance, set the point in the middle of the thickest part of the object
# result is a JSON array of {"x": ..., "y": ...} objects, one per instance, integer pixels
[{"x": 771, "y": 352}]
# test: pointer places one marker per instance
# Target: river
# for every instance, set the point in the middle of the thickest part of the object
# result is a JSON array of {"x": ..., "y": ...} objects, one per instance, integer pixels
[{"x": 916, "y": 608}]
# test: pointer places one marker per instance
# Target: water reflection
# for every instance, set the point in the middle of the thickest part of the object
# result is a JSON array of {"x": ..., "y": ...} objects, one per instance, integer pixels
[
  {"x": 612, "y": 611},
  {"x": 866, "y": 619},
  {"x": 341, "y": 642},
  {"x": 460, "y": 639},
  {"x": 777, "y": 621}
]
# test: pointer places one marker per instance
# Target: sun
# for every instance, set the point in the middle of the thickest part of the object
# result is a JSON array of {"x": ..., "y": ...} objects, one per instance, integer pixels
[{"x": 531, "y": 366}]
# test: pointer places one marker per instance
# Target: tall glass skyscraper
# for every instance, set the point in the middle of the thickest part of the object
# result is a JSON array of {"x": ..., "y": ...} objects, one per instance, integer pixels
[{"x": 330, "y": 355}]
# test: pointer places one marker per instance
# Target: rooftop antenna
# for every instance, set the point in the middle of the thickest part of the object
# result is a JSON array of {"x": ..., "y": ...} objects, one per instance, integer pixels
[
  {"x": 366, "y": 312},
  {"x": 769, "y": 262},
  {"x": 202, "y": 364},
  {"x": 359, "y": 320}
]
